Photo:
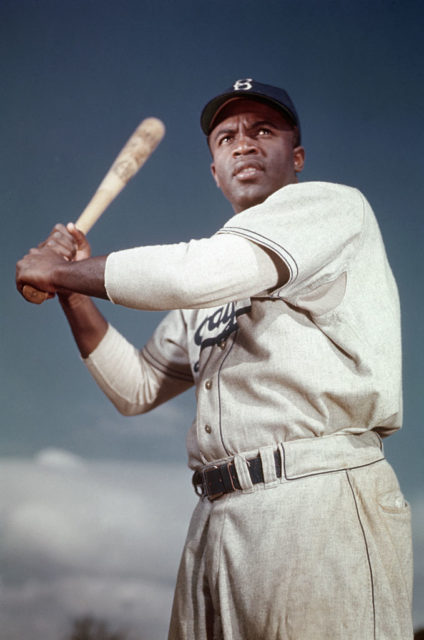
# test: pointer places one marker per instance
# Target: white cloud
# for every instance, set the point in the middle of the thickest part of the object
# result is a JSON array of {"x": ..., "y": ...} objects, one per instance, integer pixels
[
  {"x": 89, "y": 537},
  {"x": 78, "y": 537},
  {"x": 43, "y": 609},
  {"x": 58, "y": 458}
]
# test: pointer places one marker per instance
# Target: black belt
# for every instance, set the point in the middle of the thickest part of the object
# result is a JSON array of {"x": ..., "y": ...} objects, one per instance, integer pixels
[{"x": 214, "y": 482}]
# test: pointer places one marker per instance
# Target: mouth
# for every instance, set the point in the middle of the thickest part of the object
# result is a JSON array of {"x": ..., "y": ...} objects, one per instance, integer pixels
[{"x": 247, "y": 170}]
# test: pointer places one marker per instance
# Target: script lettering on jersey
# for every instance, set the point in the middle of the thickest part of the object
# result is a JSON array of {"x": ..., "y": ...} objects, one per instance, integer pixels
[{"x": 218, "y": 326}]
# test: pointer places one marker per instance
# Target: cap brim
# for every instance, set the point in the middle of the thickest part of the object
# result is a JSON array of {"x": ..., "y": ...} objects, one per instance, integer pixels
[{"x": 212, "y": 109}]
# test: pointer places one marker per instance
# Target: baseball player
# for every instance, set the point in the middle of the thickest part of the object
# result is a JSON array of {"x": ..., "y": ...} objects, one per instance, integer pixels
[{"x": 287, "y": 322}]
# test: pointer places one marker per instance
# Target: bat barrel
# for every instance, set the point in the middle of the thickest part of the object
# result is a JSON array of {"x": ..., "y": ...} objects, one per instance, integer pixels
[{"x": 131, "y": 158}]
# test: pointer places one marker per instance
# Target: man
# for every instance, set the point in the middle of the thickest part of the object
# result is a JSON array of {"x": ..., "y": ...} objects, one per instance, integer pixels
[{"x": 287, "y": 322}]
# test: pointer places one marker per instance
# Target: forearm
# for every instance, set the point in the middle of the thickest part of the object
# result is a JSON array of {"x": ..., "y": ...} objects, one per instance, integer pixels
[
  {"x": 128, "y": 380},
  {"x": 87, "y": 324},
  {"x": 85, "y": 276}
]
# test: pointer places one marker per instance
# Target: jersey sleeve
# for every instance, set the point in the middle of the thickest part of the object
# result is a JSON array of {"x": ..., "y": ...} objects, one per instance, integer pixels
[
  {"x": 137, "y": 381},
  {"x": 314, "y": 228},
  {"x": 189, "y": 275}
]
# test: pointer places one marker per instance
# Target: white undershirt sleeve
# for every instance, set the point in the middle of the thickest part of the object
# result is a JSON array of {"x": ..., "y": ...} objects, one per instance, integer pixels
[
  {"x": 128, "y": 380},
  {"x": 193, "y": 275}
]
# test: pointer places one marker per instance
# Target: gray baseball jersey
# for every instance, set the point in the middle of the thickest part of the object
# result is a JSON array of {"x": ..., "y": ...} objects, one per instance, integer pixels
[{"x": 318, "y": 356}]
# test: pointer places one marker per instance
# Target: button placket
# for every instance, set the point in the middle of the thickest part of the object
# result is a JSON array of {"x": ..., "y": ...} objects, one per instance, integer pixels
[{"x": 208, "y": 429}]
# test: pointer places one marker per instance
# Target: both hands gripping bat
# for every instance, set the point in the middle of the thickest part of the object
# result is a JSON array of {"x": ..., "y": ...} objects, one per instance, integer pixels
[{"x": 133, "y": 155}]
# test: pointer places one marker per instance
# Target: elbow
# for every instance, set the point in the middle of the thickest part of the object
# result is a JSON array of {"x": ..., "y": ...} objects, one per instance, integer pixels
[
  {"x": 126, "y": 409},
  {"x": 129, "y": 409},
  {"x": 142, "y": 401}
]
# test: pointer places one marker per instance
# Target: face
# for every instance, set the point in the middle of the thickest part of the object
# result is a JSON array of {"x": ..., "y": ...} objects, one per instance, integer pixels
[{"x": 253, "y": 152}]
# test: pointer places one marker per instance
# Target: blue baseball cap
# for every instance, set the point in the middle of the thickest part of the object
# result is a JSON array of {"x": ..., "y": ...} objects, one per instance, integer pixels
[{"x": 249, "y": 88}]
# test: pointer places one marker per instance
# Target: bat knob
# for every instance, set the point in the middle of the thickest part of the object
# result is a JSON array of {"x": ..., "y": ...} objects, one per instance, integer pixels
[{"x": 34, "y": 295}]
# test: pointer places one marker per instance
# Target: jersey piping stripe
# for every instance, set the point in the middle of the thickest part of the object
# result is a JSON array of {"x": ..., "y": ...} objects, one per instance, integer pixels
[
  {"x": 323, "y": 473},
  {"x": 235, "y": 334},
  {"x": 173, "y": 373},
  {"x": 269, "y": 244},
  {"x": 367, "y": 554}
]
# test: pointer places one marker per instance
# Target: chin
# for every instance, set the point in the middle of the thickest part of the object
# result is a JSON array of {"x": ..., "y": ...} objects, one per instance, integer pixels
[{"x": 248, "y": 200}]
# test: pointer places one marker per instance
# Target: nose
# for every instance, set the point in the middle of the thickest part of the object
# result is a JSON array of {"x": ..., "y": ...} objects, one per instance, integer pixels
[{"x": 244, "y": 146}]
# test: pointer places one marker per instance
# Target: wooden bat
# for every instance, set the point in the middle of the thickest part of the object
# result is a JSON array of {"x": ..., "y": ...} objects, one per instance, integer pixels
[{"x": 133, "y": 155}]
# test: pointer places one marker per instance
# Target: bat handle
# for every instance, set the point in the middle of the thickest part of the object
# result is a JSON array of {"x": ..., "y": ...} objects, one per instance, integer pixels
[{"x": 34, "y": 295}]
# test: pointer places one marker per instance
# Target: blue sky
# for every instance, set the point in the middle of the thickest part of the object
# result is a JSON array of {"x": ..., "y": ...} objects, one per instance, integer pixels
[{"x": 76, "y": 79}]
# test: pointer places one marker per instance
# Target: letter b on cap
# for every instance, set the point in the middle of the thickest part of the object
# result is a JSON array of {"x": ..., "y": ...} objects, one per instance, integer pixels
[{"x": 243, "y": 85}]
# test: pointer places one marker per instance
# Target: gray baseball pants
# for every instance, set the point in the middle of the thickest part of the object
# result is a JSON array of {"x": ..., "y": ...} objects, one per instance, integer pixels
[{"x": 322, "y": 553}]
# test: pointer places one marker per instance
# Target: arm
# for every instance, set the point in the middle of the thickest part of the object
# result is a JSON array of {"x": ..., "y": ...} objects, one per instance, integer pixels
[
  {"x": 130, "y": 382},
  {"x": 200, "y": 273},
  {"x": 87, "y": 323},
  {"x": 119, "y": 369},
  {"x": 47, "y": 270}
]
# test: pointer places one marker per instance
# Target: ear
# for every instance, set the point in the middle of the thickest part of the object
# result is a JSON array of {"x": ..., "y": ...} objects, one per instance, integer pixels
[
  {"x": 298, "y": 158},
  {"x": 215, "y": 177}
]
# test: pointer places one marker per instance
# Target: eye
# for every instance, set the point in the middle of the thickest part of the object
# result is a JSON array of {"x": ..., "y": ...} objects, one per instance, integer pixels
[
  {"x": 225, "y": 139},
  {"x": 264, "y": 131}
]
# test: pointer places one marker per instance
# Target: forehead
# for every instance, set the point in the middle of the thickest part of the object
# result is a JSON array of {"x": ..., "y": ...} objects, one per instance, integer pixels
[{"x": 249, "y": 110}]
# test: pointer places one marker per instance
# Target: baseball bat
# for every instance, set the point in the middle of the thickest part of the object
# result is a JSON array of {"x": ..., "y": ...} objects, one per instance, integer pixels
[{"x": 132, "y": 156}]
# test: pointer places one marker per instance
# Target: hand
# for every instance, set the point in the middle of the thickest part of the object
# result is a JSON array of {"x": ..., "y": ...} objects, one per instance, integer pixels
[
  {"x": 68, "y": 242},
  {"x": 37, "y": 269},
  {"x": 63, "y": 244},
  {"x": 73, "y": 245}
]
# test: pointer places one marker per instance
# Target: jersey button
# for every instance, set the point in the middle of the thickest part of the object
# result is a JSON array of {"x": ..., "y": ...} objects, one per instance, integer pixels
[
  {"x": 208, "y": 384},
  {"x": 208, "y": 428},
  {"x": 222, "y": 344}
]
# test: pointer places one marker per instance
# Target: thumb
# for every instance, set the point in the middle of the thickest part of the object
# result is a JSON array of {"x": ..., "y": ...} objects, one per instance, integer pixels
[{"x": 78, "y": 235}]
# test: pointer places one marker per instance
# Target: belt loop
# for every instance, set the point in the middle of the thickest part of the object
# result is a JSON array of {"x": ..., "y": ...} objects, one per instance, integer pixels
[
  {"x": 243, "y": 473},
  {"x": 282, "y": 461},
  {"x": 268, "y": 464}
]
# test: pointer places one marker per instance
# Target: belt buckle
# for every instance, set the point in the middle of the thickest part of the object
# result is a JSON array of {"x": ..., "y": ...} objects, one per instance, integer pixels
[
  {"x": 215, "y": 496},
  {"x": 202, "y": 488},
  {"x": 199, "y": 487}
]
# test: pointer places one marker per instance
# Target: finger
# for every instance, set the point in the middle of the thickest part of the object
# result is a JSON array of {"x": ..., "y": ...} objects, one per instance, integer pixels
[
  {"x": 62, "y": 247},
  {"x": 56, "y": 232},
  {"x": 61, "y": 228},
  {"x": 61, "y": 242},
  {"x": 78, "y": 236},
  {"x": 76, "y": 233}
]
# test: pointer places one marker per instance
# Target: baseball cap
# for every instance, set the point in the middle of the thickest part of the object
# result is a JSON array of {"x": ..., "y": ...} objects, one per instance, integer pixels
[{"x": 247, "y": 87}]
